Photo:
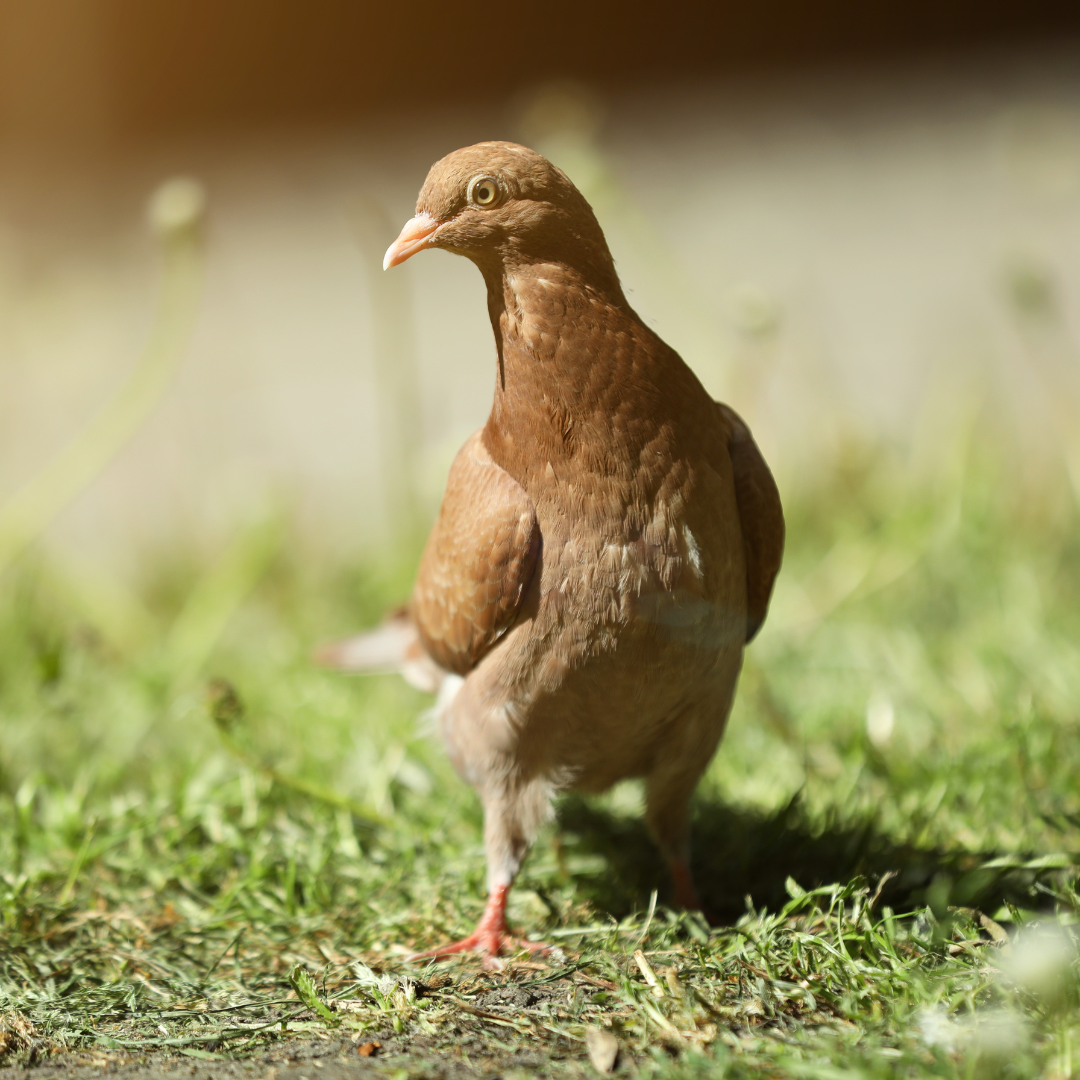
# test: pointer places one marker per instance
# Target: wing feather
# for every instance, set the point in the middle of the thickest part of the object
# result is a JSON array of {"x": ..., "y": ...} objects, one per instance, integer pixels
[
  {"x": 761, "y": 517},
  {"x": 478, "y": 562}
]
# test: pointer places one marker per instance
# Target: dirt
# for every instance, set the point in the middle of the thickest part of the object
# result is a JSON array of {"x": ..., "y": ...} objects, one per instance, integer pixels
[
  {"x": 474, "y": 1047},
  {"x": 335, "y": 1059},
  {"x": 486, "y": 1039},
  {"x": 518, "y": 997}
]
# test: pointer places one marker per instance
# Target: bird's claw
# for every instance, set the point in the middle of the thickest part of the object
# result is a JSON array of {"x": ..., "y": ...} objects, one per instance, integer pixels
[
  {"x": 491, "y": 938},
  {"x": 492, "y": 947}
]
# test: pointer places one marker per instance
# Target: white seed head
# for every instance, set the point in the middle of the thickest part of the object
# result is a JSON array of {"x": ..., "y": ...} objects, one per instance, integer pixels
[
  {"x": 176, "y": 206},
  {"x": 880, "y": 720},
  {"x": 1043, "y": 961}
]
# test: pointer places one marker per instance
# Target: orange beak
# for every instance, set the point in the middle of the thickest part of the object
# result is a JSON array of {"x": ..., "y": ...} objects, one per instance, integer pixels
[{"x": 414, "y": 237}]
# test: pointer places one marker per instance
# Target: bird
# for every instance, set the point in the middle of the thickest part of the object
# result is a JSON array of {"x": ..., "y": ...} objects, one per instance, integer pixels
[{"x": 605, "y": 549}]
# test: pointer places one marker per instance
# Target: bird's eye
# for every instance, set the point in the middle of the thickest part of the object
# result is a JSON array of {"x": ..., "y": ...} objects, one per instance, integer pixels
[{"x": 483, "y": 191}]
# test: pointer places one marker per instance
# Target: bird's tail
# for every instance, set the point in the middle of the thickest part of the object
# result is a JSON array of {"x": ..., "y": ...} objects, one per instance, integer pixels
[{"x": 393, "y": 646}]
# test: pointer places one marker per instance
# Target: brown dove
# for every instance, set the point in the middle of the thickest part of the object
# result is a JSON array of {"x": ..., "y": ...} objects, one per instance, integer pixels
[{"x": 606, "y": 546}]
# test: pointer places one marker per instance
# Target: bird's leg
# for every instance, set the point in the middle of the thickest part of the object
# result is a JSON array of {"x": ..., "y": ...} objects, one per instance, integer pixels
[
  {"x": 511, "y": 817},
  {"x": 685, "y": 895},
  {"x": 666, "y": 814}
]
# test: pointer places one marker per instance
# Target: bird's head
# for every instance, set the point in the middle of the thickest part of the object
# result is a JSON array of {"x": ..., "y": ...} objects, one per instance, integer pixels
[{"x": 503, "y": 205}]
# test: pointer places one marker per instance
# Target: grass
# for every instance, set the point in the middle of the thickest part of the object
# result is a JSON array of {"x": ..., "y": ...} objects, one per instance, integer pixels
[{"x": 888, "y": 841}]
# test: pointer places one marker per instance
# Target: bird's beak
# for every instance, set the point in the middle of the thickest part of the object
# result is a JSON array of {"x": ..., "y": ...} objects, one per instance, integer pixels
[{"x": 414, "y": 237}]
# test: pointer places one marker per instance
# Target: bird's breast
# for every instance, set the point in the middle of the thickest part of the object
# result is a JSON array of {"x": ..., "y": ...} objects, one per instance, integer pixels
[
  {"x": 614, "y": 441},
  {"x": 621, "y": 558}
]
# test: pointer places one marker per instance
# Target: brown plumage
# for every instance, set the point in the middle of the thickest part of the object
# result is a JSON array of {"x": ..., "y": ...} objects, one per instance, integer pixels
[{"x": 607, "y": 543}]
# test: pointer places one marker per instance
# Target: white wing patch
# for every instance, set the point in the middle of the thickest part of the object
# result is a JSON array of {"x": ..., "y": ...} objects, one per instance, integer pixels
[{"x": 693, "y": 552}]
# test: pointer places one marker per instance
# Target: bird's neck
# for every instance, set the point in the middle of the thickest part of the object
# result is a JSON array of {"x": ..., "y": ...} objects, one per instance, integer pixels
[
  {"x": 542, "y": 315},
  {"x": 572, "y": 356}
]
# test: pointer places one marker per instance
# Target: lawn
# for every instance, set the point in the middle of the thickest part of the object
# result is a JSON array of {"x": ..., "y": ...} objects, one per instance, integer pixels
[{"x": 215, "y": 856}]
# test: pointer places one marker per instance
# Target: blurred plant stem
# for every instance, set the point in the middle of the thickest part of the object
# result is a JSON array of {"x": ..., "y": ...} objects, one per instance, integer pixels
[
  {"x": 228, "y": 713},
  {"x": 176, "y": 209},
  {"x": 103, "y": 600},
  {"x": 216, "y": 596},
  {"x": 394, "y": 347},
  {"x": 1050, "y": 356}
]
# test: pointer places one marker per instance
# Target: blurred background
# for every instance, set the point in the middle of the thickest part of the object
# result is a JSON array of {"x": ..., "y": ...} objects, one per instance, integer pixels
[
  {"x": 856, "y": 225},
  {"x": 224, "y": 431}
]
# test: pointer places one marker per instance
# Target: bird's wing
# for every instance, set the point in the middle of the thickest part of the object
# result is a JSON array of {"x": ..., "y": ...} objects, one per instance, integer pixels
[
  {"x": 478, "y": 561},
  {"x": 761, "y": 517}
]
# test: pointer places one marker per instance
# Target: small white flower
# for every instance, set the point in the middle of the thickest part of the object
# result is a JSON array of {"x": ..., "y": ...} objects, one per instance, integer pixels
[
  {"x": 937, "y": 1028},
  {"x": 1041, "y": 961},
  {"x": 998, "y": 1034},
  {"x": 989, "y": 1034}
]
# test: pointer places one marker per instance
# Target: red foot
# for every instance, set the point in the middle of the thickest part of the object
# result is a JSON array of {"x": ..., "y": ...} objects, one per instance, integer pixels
[{"x": 491, "y": 938}]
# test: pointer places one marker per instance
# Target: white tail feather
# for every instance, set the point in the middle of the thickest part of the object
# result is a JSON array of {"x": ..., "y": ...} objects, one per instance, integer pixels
[{"x": 393, "y": 647}]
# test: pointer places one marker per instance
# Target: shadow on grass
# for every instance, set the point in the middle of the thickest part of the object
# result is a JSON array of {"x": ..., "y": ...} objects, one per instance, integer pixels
[{"x": 739, "y": 854}]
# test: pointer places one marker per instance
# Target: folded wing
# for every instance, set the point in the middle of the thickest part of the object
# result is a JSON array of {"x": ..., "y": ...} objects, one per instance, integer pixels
[
  {"x": 478, "y": 562},
  {"x": 761, "y": 517}
]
